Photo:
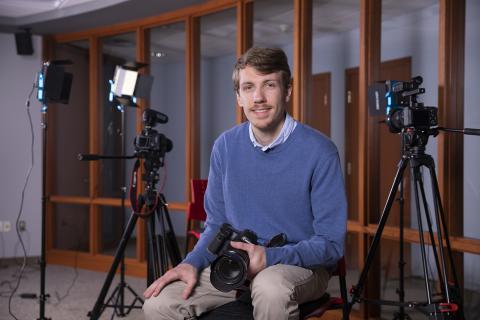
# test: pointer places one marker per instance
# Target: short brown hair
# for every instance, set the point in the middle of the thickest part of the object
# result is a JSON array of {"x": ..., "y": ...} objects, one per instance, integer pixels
[{"x": 265, "y": 61}]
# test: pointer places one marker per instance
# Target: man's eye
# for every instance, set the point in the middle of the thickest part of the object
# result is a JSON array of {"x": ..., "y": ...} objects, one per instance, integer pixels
[
  {"x": 270, "y": 84},
  {"x": 247, "y": 88}
]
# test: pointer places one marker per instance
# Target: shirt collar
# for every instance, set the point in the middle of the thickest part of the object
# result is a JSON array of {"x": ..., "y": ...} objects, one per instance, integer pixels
[{"x": 287, "y": 129}]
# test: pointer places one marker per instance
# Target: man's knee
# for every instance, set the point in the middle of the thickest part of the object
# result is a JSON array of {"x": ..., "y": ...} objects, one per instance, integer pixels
[
  {"x": 271, "y": 288},
  {"x": 161, "y": 307}
]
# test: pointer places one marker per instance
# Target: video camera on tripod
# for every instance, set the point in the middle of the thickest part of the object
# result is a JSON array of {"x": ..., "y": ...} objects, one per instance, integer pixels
[{"x": 415, "y": 123}]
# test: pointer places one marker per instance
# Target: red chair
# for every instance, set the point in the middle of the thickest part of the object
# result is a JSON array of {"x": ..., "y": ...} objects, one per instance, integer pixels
[{"x": 196, "y": 212}]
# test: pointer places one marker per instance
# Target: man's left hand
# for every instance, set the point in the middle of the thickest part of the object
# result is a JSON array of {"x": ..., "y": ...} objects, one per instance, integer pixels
[{"x": 256, "y": 254}]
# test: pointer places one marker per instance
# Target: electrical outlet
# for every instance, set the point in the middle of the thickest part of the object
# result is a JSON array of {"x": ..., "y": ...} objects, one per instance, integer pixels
[
  {"x": 7, "y": 226},
  {"x": 22, "y": 225}
]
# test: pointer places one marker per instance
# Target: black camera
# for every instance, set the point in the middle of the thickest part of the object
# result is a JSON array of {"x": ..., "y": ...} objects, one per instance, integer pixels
[
  {"x": 149, "y": 143},
  {"x": 229, "y": 270},
  {"x": 403, "y": 109},
  {"x": 401, "y": 105}
]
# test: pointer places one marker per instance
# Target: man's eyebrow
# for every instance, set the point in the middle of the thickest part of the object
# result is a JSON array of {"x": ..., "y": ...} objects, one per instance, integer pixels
[{"x": 264, "y": 81}]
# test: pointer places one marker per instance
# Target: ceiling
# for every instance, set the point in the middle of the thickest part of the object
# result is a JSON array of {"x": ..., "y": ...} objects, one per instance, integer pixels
[
  {"x": 55, "y": 16},
  {"x": 273, "y": 22}
]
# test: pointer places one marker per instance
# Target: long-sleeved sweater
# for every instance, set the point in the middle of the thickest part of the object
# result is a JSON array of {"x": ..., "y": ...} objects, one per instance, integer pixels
[{"x": 295, "y": 188}]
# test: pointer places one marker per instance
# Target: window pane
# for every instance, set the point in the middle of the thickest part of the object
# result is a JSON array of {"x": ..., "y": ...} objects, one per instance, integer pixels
[
  {"x": 113, "y": 225},
  {"x": 217, "y": 99},
  {"x": 273, "y": 27},
  {"x": 335, "y": 29},
  {"x": 71, "y": 227},
  {"x": 116, "y": 51},
  {"x": 409, "y": 48},
  {"x": 70, "y": 124},
  {"x": 471, "y": 175},
  {"x": 168, "y": 96}
]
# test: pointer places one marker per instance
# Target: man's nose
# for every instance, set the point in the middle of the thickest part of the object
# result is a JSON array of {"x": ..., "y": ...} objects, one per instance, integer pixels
[{"x": 258, "y": 95}]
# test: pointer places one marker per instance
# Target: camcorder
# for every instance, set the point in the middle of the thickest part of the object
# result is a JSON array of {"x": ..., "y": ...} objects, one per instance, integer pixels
[
  {"x": 229, "y": 269},
  {"x": 401, "y": 106}
]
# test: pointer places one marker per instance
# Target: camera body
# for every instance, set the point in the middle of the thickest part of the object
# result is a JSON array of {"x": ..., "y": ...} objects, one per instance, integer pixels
[
  {"x": 150, "y": 140},
  {"x": 229, "y": 270},
  {"x": 403, "y": 110},
  {"x": 150, "y": 144},
  {"x": 422, "y": 118}
]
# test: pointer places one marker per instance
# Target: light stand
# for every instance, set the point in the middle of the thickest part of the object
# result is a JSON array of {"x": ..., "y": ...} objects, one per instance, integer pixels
[
  {"x": 53, "y": 85},
  {"x": 117, "y": 298},
  {"x": 43, "y": 297}
]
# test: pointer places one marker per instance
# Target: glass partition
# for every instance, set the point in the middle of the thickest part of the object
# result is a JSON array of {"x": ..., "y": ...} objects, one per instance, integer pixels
[
  {"x": 471, "y": 175},
  {"x": 167, "y": 66},
  {"x": 273, "y": 27},
  {"x": 217, "y": 98},
  {"x": 70, "y": 124},
  {"x": 72, "y": 227},
  {"x": 409, "y": 48},
  {"x": 115, "y": 137}
]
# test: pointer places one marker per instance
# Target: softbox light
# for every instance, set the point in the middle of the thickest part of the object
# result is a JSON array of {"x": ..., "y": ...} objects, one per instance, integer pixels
[
  {"x": 128, "y": 84},
  {"x": 54, "y": 83}
]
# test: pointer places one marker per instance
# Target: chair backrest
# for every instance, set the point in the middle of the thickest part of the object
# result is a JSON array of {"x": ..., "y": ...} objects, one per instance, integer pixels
[{"x": 197, "y": 212}]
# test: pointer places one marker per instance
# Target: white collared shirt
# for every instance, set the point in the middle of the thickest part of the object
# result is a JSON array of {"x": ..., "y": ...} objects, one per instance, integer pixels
[{"x": 287, "y": 129}]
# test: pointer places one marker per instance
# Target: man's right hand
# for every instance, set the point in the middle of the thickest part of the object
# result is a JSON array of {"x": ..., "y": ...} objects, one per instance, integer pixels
[{"x": 184, "y": 272}]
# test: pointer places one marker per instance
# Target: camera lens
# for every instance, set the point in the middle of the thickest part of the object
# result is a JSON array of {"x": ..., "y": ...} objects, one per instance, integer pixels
[{"x": 229, "y": 271}]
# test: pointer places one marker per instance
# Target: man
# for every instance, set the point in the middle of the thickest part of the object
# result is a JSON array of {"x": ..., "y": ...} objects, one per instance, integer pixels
[{"x": 270, "y": 175}]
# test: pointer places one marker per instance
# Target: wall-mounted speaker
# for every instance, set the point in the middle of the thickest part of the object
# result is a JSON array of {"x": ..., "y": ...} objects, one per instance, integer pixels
[{"x": 23, "y": 40}]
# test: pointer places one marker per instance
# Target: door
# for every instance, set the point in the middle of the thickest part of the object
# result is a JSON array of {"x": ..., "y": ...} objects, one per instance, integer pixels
[{"x": 318, "y": 115}]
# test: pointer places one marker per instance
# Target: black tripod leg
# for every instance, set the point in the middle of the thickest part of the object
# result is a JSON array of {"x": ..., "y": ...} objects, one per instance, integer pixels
[
  {"x": 98, "y": 308},
  {"x": 430, "y": 229},
  {"x": 163, "y": 261},
  {"x": 416, "y": 178},
  {"x": 170, "y": 238},
  {"x": 154, "y": 247},
  {"x": 357, "y": 290},
  {"x": 441, "y": 219}
]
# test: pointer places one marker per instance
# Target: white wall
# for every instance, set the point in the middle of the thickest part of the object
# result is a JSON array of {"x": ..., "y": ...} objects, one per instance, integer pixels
[{"x": 17, "y": 74}]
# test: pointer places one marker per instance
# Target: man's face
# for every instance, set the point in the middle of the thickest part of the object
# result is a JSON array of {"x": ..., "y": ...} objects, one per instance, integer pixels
[{"x": 264, "y": 99}]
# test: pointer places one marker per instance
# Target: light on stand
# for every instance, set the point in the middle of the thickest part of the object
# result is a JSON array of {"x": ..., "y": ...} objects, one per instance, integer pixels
[{"x": 53, "y": 85}]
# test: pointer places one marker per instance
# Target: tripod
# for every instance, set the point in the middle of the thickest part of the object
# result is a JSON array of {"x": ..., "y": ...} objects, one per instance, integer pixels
[
  {"x": 159, "y": 245},
  {"x": 449, "y": 305}
]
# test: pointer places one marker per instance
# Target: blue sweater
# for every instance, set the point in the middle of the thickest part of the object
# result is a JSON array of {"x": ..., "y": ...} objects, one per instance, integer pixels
[{"x": 295, "y": 188}]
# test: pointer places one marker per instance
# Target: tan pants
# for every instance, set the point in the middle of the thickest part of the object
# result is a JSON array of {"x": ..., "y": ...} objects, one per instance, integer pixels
[{"x": 276, "y": 293}]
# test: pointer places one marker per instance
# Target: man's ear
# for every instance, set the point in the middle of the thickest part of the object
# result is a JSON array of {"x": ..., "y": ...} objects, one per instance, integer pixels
[
  {"x": 239, "y": 100},
  {"x": 289, "y": 93}
]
